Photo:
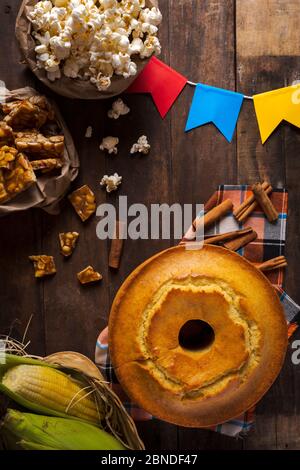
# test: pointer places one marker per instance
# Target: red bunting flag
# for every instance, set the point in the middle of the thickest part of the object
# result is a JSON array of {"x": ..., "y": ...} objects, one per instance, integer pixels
[{"x": 164, "y": 84}]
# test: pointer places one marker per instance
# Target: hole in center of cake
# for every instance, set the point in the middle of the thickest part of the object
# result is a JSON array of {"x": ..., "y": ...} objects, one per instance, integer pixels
[{"x": 195, "y": 335}]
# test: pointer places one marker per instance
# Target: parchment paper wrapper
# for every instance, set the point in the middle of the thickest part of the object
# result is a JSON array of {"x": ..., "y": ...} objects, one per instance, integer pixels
[
  {"x": 49, "y": 188},
  {"x": 69, "y": 87}
]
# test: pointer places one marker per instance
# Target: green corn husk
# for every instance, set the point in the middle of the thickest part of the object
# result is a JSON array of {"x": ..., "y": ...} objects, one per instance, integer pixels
[
  {"x": 26, "y": 445},
  {"x": 47, "y": 432},
  {"x": 113, "y": 417},
  {"x": 16, "y": 370}
]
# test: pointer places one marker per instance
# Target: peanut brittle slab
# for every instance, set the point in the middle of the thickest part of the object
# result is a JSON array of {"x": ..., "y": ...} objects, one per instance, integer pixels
[
  {"x": 33, "y": 112},
  {"x": 88, "y": 276},
  {"x": 44, "y": 265},
  {"x": 67, "y": 241},
  {"x": 83, "y": 201},
  {"x": 34, "y": 143},
  {"x": 46, "y": 165},
  {"x": 19, "y": 178}
]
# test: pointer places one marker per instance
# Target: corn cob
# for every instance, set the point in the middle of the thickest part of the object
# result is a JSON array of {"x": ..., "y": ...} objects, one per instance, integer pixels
[
  {"x": 47, "y": 432},
  {"x": 48, "y": 390}
]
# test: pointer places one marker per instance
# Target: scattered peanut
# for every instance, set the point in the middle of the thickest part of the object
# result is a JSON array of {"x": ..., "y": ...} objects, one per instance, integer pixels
[
  {"x": 67, "y": 242},
  {"x": 7, "y": 156}
]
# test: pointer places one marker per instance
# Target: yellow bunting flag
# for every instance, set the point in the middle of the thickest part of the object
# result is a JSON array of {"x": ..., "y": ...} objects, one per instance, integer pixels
[{"x": 275, "y": 106}]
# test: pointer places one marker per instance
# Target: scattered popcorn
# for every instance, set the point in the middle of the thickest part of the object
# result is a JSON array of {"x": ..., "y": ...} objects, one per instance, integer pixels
[
  {"x": 142, "y": 146},
  {"x": 89, "y": 132},
  {"x": 93, "y": 39},
  {"x": 111, "y": 182},
  {"x": 119, "y": 108},
  {"x": 110, "y": 144}
]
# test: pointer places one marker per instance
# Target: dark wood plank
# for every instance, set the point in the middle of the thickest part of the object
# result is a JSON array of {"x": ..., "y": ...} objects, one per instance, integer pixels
[
  {"x": 69, "y": 316},
  {"x": 75, "y": 313},
  {"x": 158, "y": 435},
  {"x": 265, "y": 50},
  {"x": 146, "y": 180},
  {"x": 199, "y": 41},
  {"x": 20, "y": 295},
  {"x": 201, "y": 159},
  {"x": 288, "y": 421}
]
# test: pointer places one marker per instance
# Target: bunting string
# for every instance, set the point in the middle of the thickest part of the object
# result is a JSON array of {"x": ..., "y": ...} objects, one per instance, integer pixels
[
  {"x": 217, "y": 105},
  {"x": 195, "y": 84}
]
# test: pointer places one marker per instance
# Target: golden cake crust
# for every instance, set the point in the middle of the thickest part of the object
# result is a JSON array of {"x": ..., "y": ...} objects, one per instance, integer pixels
[{"x": 212, "y": 384}]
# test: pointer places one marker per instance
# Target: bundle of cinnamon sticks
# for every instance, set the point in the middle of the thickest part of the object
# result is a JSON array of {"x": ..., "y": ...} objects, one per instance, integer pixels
[
  {"x": 231, "y": 240},
  {"x": 259, "y": 197},
  {"x": 239, "y": 238}
]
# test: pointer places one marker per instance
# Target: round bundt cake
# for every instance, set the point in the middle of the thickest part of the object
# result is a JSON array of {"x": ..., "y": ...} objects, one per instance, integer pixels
[{"x": 197, "y": 336}]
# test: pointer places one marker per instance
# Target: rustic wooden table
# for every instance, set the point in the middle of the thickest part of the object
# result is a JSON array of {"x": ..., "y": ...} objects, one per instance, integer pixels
[{"x": 248, "y": 45}]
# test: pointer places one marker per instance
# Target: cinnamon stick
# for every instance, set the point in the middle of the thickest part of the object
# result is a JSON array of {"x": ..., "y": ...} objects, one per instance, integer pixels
[
  {"x": 274, "y": 263},
  {"x": 212, "y": 240},
  {"x": 265, "y": 202},
  {"x": 213, "y": 215},
  {"x": 241, "y": 241},
  {"x": 244, "y": 205},
  {"x": 245, "y": 214},
  {"x": 116, "y": 245}
]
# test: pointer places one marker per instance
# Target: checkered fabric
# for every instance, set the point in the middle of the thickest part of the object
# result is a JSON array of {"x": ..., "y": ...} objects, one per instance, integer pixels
[{"x": 270, "y": 243}]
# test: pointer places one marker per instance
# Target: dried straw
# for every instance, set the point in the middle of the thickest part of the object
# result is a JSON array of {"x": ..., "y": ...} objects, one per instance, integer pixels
[{"x": 115, "y": 420}]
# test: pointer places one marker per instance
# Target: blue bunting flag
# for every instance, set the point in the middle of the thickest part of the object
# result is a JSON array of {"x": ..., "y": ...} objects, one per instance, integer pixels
[{"x": 221, "y": 107}]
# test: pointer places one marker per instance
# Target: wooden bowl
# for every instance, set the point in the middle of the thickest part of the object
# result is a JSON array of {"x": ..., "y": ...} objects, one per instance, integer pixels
[{"x": 65, "y": 86}]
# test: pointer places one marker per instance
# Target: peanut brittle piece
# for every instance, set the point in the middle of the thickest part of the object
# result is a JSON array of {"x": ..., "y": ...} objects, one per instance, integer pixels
[
  {"x": 43, "y": 265},
  {"x": 3, "y": 193},
  {"x": 6, "y": 134},
  {"x": 67, "y": 242},
  {"x": 19, "y": 178},
  {"x": 88, "y": 275},
  {"x": 7, "y": 157},
  {"x": 34, "y": 143},
  {"x": 46, "y": 165},
  {"x": 83, "y": 201},
  {"x": 29, "y": 113}
]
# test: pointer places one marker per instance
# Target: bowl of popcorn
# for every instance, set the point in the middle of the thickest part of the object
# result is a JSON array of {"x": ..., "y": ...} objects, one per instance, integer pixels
[{"x": 88, "y": 49}]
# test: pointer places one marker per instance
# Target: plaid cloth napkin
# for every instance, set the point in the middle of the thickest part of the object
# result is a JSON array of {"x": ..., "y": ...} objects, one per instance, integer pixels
[{"x": 270, "y": 243}]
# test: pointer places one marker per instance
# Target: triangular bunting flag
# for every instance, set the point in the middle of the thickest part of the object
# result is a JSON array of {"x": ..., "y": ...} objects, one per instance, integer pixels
[
  {"x": 275, "y": 106},
  {"x": 221, "y": 107},
  {"x": 164, "y": 84}
]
